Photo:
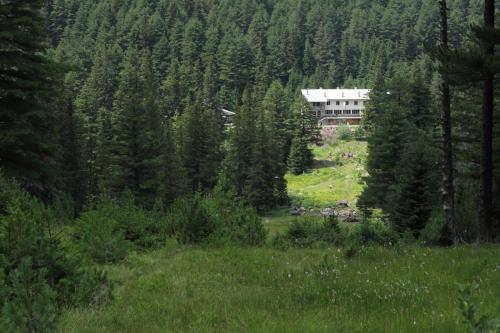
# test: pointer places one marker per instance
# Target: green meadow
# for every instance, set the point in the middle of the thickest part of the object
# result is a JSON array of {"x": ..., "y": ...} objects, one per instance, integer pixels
[
  {"x": 261, "y": 289},
  {"x": 336, "y": 176},
  {"x": 184, "y": 289}
]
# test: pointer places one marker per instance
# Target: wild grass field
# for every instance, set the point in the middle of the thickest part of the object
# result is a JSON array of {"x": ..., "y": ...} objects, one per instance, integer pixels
[
  {"x": 301, "y": 290},
  {"x": 320, "y": 289}
]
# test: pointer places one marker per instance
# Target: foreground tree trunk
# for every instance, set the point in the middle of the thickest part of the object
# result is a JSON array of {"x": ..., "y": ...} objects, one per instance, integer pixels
[
  {"x": 448, "y": 189},
  {"x": 486, "y": 178}
]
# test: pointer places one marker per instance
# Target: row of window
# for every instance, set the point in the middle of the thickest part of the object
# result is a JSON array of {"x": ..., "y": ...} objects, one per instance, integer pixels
[
  {"x": 338, "y": 103},
  {"x": 340, "y": 112},
  {"x": 346, "y": 102}
]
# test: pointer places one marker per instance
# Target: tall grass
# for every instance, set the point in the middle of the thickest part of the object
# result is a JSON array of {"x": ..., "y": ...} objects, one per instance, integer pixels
[{"x": 308, "y": 290}]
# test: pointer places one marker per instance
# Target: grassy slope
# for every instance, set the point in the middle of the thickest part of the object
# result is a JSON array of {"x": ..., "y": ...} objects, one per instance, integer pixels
[
  {"x": 265, "y": 290},
  {"x": 330, "y": 182}
]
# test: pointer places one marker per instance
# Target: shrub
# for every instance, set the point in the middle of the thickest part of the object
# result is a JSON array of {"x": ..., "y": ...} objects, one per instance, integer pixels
[
  {"x": 98, "y": 235},
  {"x": 331, "y": 232},
  {"x": 373, "y": 232},
  {"x": 280, "y": 241},
  {"x": 435, "y": 230},
  {"x": 303, "y": 232},
  {"x": 217, "y": 219},
  {"x": 108, "y": 230},
  {"x": 344, "y": 132},
  {"x": 470, "y": 309},
  {"x": 37, "y": 275},
  {"x": 190, "y": 219}
]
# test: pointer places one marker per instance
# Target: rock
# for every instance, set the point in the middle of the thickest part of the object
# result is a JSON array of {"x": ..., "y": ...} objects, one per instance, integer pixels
[
  {"x": 297, "y": 211},
  {"x": 343, "y": 203},
  {"x": 328, "y": 212},
  {"x": 349, "y": 215}
]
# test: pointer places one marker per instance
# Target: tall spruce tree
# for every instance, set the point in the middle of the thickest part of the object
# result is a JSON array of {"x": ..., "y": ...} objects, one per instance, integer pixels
[
  {"x": 304, "y": 131},
  {"x": 28, "y": 81}
]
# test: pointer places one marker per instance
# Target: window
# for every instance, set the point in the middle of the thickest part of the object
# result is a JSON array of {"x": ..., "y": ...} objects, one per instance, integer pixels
[
  {"x": 347, "y": 103},
  {"x": 356, "y": 112},
  {"x": 328, "y": 103},
  {"x": 337, "y": 112},
  {"x": 329, "y": 111},
  {"x": 337, "y": 103},
  {"x": 355, "y": 102},
  {"x": 347, "y": 111}
]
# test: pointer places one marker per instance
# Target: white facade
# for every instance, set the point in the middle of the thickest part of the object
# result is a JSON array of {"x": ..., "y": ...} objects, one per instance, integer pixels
[{"x": 335, "y": 106}]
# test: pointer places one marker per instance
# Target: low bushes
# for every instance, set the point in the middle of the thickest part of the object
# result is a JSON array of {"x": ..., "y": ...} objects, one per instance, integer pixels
[
  {"x": 307, "y": 231},
  {"x": 111, "y": 228},
  {"x": 215, "y": 218},
  {"x": 38, "y": 275}
]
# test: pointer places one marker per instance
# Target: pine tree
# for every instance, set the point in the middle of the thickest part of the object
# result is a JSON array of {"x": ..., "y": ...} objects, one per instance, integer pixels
[
  {"x": 301, "y": 157},
  {"x": 259, "y": 187},
  {"x": 238, "y": 159},
  {"x": 137, "y": 132},
  {"x": 173, "y": 179},
  {"x": 28, "y": 144},
  {"x": 411, "y": 198},
  {"x": 275, "y": 108},
  {"x": 304, "y": 131},
  {"x": 448, "y": 186},
  {"x": 200, "y": 138}
]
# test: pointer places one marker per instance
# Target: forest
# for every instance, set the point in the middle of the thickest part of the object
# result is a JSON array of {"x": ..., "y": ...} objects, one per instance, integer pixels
[{"x": 113, "y": 143}]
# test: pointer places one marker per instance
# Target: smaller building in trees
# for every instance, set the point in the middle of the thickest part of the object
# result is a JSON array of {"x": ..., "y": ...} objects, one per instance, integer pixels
[{"x": 333, "y": 107}]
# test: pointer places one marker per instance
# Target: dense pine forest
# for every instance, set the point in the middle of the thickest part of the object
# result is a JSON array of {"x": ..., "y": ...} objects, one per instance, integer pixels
[{"x": 113, "y": 138}]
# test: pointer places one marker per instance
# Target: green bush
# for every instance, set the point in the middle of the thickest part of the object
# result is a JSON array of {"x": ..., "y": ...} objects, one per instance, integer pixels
[
  {"x": 331, "y": 232},
  {"x": 344, "y": 132},
  {"x": 435, "y": 229},
  {"x": 308, "y": 231},
  {"x": 373, "y": 232},
  {"x": 98, "y": 235},
  {"x": 303, "y": 232},
  {"x": 107, "y": 231},
  {"x": 37, "y": 275},
  {"x": 216, "y": 219}
]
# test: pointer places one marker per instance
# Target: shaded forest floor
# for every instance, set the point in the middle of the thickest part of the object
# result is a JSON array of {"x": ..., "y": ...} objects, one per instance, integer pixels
[{"x": 301, "y": 290}]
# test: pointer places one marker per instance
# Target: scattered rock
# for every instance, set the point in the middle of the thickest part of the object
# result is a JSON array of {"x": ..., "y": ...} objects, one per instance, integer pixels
[
  {"x": 343, "y": 203},
  {"x": 328, "y": 212},
  {"x": 349, "y": 215},
  {"x": 297, "y": 211}
]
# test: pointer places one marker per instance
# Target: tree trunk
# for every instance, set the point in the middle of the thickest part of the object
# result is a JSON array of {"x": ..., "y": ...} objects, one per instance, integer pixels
[
  {"x": 448, "y": 189},
  {"x": 486, "y": 178}
]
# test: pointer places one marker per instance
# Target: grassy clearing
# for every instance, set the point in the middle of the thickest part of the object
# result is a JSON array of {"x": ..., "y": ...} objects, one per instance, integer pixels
[
  {"x": 264, "y": 290},
  {"x": 334, "y": 177}
]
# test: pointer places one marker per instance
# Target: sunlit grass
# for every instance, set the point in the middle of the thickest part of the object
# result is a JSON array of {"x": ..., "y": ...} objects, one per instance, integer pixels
[{"x": 333, "y": 179}]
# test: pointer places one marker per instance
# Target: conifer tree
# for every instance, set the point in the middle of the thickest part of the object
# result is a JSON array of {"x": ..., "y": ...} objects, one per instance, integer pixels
[
  {"x": 238, "y": 159},
  {"x": 200, "y": 138},
  {"x": 259, "y": 187},
  {"x": 28, "y": 81},
  {"x": 304, "y": 131},
  {"x": 137, "y": 131}
]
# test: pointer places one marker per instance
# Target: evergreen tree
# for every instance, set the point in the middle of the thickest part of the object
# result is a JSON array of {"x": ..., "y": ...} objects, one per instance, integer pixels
[
  {"x": 301, "y": 157},
  {"x": 28, "y": 81},
  {"x": 238, "y": 159},
  {"x": 137, "y": 132},
  {"x": 259, "y": 187},
  {"x": 200, "y": 138},
  {"x": 304, "y": 131},
  {"x": 413, "y": 195}
]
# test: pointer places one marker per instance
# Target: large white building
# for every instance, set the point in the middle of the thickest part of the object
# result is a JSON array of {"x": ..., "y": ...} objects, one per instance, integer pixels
[{"x": 333, "y": 107}]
